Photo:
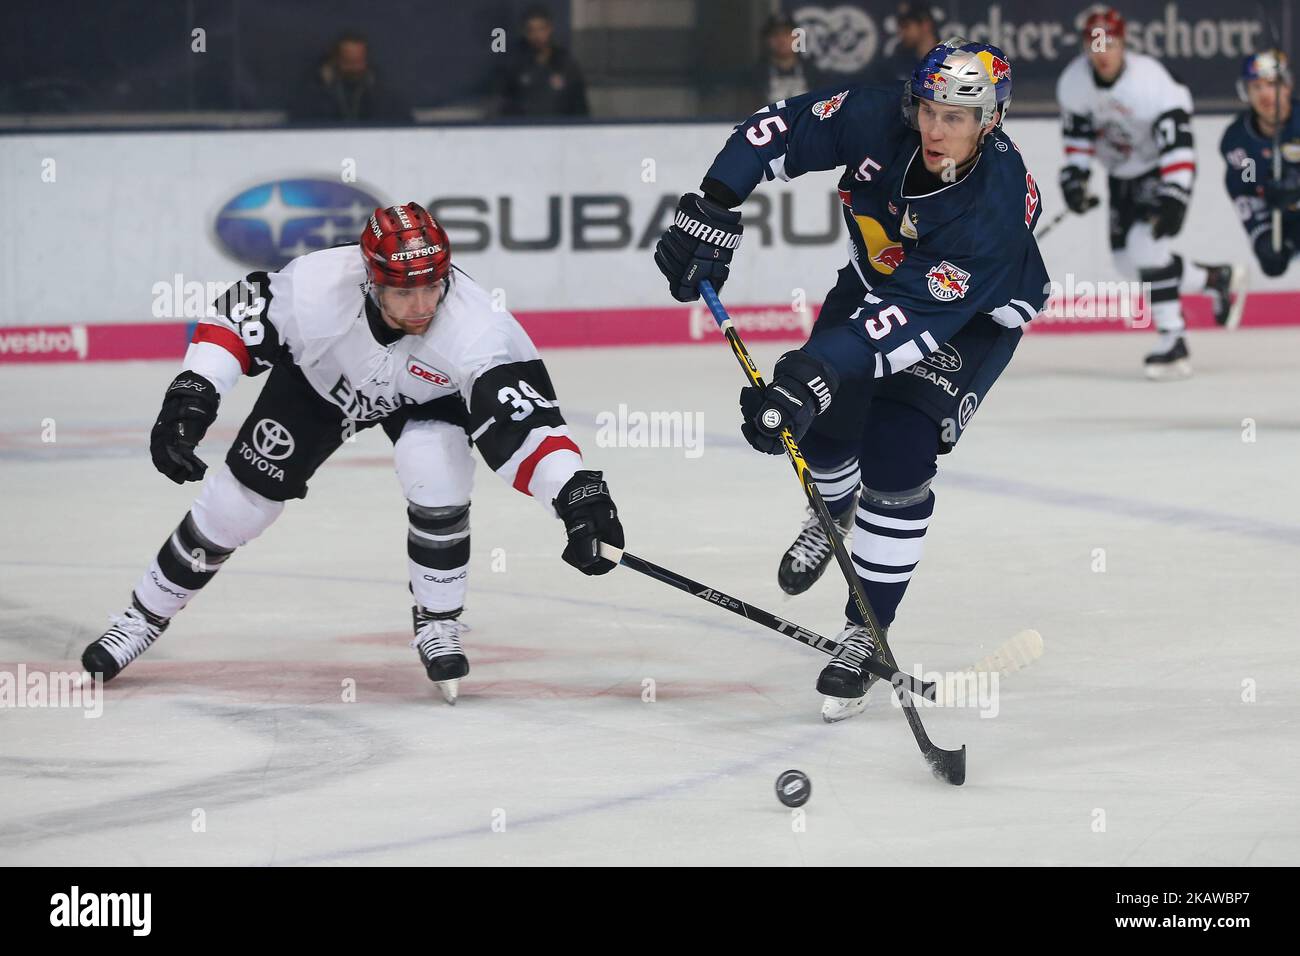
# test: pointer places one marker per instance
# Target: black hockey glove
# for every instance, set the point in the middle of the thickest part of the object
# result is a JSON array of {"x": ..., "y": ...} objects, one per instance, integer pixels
[
  {"x": 801, "y": 389},
  {"x": 1172, "y": 209},
  {"x": 697, "y": 246},
  {"x": 589, "y": 517},
  {"x": 1273, "y": 263},
  {"x": 189, "y": 407},
  {"x": 1074, "y": 184},
  {"x": 1285, "y": 192}
]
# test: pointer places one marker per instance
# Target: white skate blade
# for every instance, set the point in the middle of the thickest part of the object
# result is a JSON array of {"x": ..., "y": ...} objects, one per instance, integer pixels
[
  {"x": 1174, "y": 371},
  {"x": 1236, "y": 289},
  {"x": 835, "y": 709},
  {"x": 450, "y": 690}
]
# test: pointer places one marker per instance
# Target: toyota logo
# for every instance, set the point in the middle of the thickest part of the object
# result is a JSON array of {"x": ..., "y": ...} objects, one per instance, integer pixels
[{"x": 272, "y": 440}]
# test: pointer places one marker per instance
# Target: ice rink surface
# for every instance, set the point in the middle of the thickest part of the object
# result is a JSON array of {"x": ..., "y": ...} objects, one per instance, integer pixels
[{"x": 1160, "y": 726}]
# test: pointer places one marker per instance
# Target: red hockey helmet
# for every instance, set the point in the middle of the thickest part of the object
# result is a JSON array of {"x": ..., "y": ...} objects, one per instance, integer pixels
[
  {"x": 1103, "y": 21},
  {"x": 404, "y": 247}
]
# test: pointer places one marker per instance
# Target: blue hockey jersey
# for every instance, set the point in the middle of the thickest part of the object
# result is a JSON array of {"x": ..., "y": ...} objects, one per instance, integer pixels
[
  {"x": 929, "y": 263},
  {"x": 1249, "y": 159}
]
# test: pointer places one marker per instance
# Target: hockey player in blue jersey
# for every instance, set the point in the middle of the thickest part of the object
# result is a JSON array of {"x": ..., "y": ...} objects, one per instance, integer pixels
[
  {"x": 943, "y": 274},
  {"x": 1247, "y": 147}
]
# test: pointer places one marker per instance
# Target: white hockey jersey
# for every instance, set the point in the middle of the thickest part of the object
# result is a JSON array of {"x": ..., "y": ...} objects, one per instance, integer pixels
[
  {"x": 312, "y": 313},
  {"x": 1139, "y": 123}
]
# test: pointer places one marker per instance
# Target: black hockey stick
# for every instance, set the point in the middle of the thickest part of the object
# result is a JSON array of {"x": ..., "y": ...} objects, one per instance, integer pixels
[
  {"x": 759, "y": 616},
  {"x": 949, "y": 765},
  {"x": 1089, "y": 204}
]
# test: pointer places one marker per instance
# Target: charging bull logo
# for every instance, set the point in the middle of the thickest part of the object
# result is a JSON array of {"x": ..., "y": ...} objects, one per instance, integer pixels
[
  {"x": 936, "y": 82},
  {"x": 947, "y": 282},
  {"x": 998, "y": 69},
  {"x": 884, "y": 252},
  {"x": 889, "y": 258},
  {"x": 825, "y": 109}
]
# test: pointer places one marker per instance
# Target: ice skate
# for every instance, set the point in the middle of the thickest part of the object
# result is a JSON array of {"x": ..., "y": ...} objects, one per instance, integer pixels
[
  {"x": 1226, "y": 287},
  {"x": 437, "y": 640},
  {"x": 131, "y": 633},
  {"x": 805, "y": 561},
  {"x": 843, "y": 681},
  {"x": 1169, "y": 360}
]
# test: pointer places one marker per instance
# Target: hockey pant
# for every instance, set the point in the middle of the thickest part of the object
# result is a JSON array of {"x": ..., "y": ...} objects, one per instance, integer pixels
[{"x": 288, "y": 435}]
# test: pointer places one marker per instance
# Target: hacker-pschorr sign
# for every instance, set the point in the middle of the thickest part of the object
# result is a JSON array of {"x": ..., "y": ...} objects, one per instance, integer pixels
[{"x": 1209, "y": 36}]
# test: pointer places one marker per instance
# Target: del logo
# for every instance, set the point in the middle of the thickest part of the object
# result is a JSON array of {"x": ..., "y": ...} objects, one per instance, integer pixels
[
  {"x": 430, "y": 375},
  {"x": 825, "y": 109},
  {"x": 947, "y": 282}
]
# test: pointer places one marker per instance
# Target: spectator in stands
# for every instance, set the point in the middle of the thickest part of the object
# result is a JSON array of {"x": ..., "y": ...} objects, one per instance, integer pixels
[
  {"x": 785, "y": 69},
  {"x": 344, "y": 89},
  {"x": 541, "y": 77},
  {"x": 917, "y": 36}
]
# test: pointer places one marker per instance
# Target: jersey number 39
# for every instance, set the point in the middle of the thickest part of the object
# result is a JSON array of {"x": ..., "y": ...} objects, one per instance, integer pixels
[{"x": 523, "y": 406}]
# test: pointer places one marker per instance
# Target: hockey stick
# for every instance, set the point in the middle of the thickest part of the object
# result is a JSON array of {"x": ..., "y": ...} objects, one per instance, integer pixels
[
  {"x": 949, "y": 765},
  {"x": 1057, "y": 219},
  {"x": 759, "y": 616}
]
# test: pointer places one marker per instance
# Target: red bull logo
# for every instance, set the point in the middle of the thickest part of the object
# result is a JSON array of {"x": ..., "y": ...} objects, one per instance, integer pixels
[
  {"x": 936, "y": 82},
  {"x": 947, "y": 282},
  {"x": 890, "y": 258},
  {"x": 998, "y": 69},
  {"x": 884, "y": 252}
]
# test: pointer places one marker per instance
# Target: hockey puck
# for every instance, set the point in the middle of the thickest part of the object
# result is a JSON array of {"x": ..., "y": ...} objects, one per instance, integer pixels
[{"x": 793, "y": 788}]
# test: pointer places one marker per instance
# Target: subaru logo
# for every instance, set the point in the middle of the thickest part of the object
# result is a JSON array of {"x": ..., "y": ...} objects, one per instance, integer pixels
[
  {"x": 946, "y": 359},
  {"x": 268, "y": 225}
]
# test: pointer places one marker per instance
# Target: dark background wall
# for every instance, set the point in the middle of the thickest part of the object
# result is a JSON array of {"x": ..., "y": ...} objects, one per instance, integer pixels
[
  {"x": 79, "y": 56},
  {"x": 75, "y": 55}
]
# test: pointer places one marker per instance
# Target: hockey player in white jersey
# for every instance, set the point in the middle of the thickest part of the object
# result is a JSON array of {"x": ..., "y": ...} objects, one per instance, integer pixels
[
  {"x": 1125, "y": 109},
  {"x": 386, "y": 333}
]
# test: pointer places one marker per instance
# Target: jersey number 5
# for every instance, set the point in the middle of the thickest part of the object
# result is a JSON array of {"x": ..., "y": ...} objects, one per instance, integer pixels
[
  {"x": 761, "y": 134},
  {"x": 880, "y": 324},
  {"x": 1031, "y": 200}
]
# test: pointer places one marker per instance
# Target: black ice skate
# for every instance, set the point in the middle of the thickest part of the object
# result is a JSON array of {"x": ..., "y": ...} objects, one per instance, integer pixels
[
  {"x": 1226, "y": 287},
  {"x": 130, "y": 635},
  {"x": 805, "y": 560},
  {"x": 437, "y": 639},
  {"x": 843, "y": 681},
  {"x": 1169, "y": 360}
]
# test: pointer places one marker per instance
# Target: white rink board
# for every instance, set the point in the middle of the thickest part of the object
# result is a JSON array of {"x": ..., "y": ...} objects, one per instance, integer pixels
[{"x": 128, "y": 211}]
